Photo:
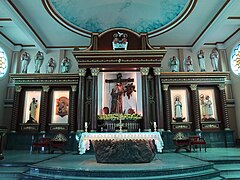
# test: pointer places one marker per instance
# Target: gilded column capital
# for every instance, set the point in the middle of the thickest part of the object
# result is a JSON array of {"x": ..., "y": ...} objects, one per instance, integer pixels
[
  {"x": 74, "y": 88},
  {"x": 82, "y": 71},
  {"x": 144, "y": 71},
  {"x": 221, "y": 87},
  {"x": 18, "y": 88},
  {"x": 157, "y": 71},
  {"x": 165, "y": 87},
  {"x": 94, "y": 71},
  {"x": 193, "y": 87},
  {"x": 45, "y": 88}
]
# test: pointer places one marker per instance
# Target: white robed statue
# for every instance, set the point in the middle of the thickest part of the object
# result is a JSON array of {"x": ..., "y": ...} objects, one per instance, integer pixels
[
  {"x": 38, "y": 61},
  {"x": 214, "y": 59},
  {"x": 25, "y": 58},
  {"x": 188, "y": 64},
  {"x": 65, "y": 65},
  {"x": 173, "y": 64}
]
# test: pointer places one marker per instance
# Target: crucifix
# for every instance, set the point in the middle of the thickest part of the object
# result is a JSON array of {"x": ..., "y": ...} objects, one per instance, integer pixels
[{"x": 120, "y": 89}]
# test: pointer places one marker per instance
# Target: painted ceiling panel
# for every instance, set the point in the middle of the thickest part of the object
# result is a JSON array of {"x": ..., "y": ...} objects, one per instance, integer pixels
[{"x": 138, "y": 15}]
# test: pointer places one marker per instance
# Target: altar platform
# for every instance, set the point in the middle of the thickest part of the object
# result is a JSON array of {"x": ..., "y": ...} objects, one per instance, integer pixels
[{"x": 216, "y": 163}]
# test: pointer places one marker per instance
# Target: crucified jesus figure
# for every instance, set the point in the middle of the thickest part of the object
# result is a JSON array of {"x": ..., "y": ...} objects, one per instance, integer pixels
[{"x": 118, "y": 91}]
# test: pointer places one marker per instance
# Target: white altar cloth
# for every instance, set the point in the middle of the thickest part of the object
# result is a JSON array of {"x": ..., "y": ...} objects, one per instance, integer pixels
[{"x": 84, "y": 141}]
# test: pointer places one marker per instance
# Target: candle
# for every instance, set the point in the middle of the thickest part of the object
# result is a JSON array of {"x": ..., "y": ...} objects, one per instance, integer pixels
[
  {"x": 154, "y": 124},
  {"x": 85, "y": 124}
]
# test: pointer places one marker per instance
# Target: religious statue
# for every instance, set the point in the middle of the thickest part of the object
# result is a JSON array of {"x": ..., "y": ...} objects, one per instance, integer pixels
[
  {"x": 173, "y": 63},
  {"x": 214, "y": 59},
  {"x": 25, "y": 58},
  {"x": 62, "y": 106},
  {"x": 50, "y": 65},
  {"x": 207, "y": 110},
  {"x": 38, "y": 61},
  {"x": 65, "y": 65},
  {"x": 201, "y": 60},
  {"x": 120, "y": 41},
  {"x": 33, "y": 111},
  {"x": 188, "y": 64},
  {"x": 178, "y": 116},
  {"x": 116, "y": 103}
]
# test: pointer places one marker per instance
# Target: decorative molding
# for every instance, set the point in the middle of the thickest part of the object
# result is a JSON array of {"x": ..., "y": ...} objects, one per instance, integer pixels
[
  {"x": 165, "y": 87},
  {"x": 144, "y": 70},
  {"x": 194, "y": 78},
  {"x": 94, "y": 71},
  {"x": 18, "y": 88},
  {"x": 74, "y": 88},
  {"x": 45, "y": 88},
  {"x": 157, "y": 71},
  {"x": 45, "y": 79},
  {"x": 193, "y": 87},
  {"x": 221, "y": 87},
  {"x": 82, "y": 71}
]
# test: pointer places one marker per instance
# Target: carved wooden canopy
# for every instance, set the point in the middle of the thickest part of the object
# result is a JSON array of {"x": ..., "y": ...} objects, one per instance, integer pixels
[{"x": 101, "y": 54}]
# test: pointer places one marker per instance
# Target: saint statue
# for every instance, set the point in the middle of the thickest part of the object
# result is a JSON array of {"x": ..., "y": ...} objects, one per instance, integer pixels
[
  {"x": 50, "y": 65},
  {"x": 116, "y": 104},
  {"x": 174, "y": 64},
  {"x": 201, "y": 60},
  {"x": 207, "y": 110},
  {"x": 33, "y": 111},
  {"x": 214, "y": 59},
  {"x": 65, "y": 65},
  {"x": 188, "y": 64},
  {"x": 38, "y": 61},
  {"x": 25, "y": 58},
  {"x": 178, "y": 116}
]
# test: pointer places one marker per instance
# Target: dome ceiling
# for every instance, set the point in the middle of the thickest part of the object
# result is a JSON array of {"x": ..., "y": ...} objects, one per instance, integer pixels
[{"x": 137, "y": 15}]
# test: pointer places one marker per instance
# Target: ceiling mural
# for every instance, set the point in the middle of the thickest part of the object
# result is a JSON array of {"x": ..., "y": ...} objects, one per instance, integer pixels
[{"x": 137, "y": 15}]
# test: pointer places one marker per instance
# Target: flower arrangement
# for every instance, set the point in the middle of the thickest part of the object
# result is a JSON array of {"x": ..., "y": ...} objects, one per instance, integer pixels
[{"x": 113, "y": 117}]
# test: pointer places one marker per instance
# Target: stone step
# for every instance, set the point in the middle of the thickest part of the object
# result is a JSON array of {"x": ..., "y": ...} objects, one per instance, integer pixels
[{"x": 198, "y": 175}]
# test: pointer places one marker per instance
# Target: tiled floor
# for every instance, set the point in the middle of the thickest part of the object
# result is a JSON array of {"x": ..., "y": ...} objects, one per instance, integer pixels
[{"x": 226, "y": 159}]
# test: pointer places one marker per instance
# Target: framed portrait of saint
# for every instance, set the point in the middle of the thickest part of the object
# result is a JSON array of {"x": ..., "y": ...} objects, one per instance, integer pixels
[
  {"x": 179, "y": 105},
  {"x": 207, "y": 104},
  {"x": 31, "y": 106},
  {"x": 60, "y": 107}
]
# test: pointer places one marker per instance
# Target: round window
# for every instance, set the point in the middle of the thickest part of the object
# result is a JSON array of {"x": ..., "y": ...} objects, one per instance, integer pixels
[
  {"x": 235, "y": 60},
  {"x": 3, "y": 63}
]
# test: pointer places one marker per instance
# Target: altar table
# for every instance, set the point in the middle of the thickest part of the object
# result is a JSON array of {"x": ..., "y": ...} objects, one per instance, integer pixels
[{"x": 122, "y": 147}]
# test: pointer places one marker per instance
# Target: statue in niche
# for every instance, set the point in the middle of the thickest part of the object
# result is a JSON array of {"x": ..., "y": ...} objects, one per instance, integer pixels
[
  {"x": 123, "y": 87},
  {"x": 25, "y": 58},
  {"x": 173, "y": 63},
  {"x": 188, "y": 64},
  {"x": 201, "y": 60},
  {"x": 65, "y": 65},
  {"x": 120, "y": 41},
  {"x": 214, "y": 59},
  {"x": 33, "y": 111},
  {"x": 50, "y": 65},
  {"x": 207, "y": 110},
  {"x": 38, "y": 61},
  {"x": 178, "y": 116}
]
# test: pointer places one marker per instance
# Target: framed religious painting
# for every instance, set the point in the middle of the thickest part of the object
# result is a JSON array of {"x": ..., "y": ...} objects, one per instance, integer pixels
[
  {"x": 60, "y": 107},
  {"x": 179, "y": 105},
  {"x": 32, "y": 105},
  {"x": 207, "y": 104}
]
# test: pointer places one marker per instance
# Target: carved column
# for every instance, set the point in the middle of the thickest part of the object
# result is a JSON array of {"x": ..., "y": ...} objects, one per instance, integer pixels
[
  {"x": 81, "y": 97},
  {"x": 168, "y": 116},
  {"x": 144, "y": 71},
  {"x": 159, "y": 103},
  {"x": 224, "y": 106},
  {"x": 94, "y": 72},
  {"x": 195, "y": 107},
  {"x": 72, "y": 111},
  {"x": 44, "y": 109},
  {"x": 15, "y": 110}
]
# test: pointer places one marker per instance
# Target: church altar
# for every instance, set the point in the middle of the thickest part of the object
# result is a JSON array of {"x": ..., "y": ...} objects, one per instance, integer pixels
[{"x": 134, "y": 147}]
